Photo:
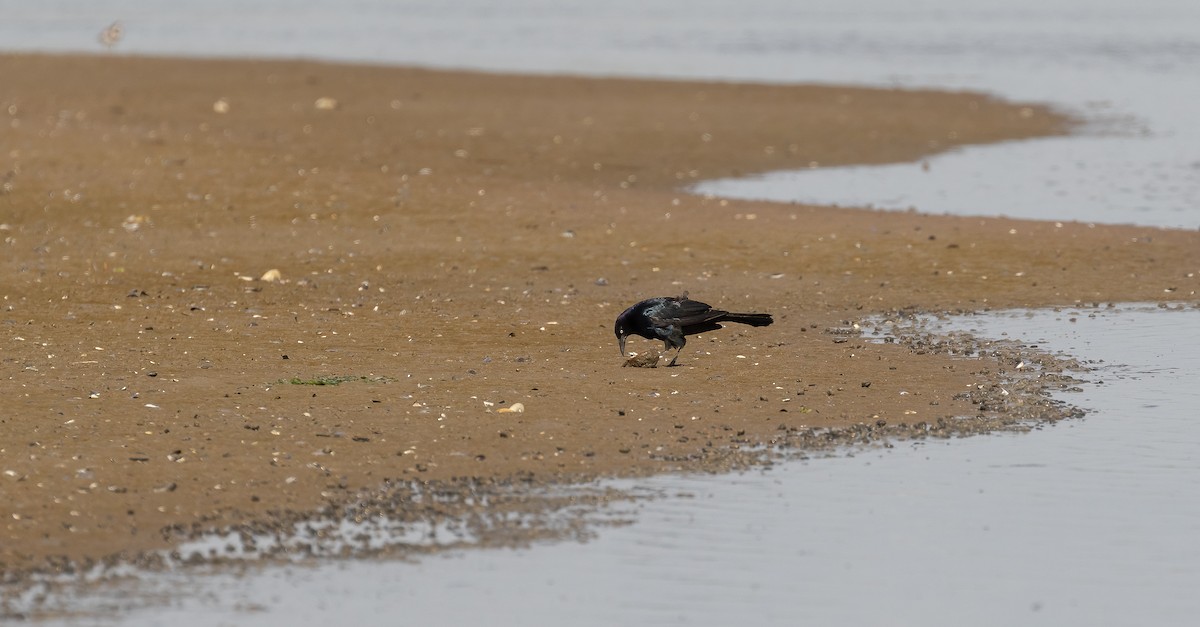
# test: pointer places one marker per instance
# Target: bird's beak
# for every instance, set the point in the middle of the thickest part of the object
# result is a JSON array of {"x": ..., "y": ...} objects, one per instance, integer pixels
[{"x": 621, "y": 344}]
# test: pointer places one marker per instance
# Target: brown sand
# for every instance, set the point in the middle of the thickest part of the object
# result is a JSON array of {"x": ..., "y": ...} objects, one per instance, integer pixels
[{"x": 441, "y": 239}]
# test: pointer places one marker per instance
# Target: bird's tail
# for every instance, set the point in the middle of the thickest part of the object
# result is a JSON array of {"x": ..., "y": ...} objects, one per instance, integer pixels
[{"x": 752, "y": 319}]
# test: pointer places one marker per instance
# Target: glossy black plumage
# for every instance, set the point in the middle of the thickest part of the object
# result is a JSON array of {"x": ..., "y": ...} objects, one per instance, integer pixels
[{"x": 671, "y": 318}]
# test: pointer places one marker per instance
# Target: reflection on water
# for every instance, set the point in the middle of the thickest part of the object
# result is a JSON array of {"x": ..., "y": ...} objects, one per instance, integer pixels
[{"x": 1090, "y": 522}]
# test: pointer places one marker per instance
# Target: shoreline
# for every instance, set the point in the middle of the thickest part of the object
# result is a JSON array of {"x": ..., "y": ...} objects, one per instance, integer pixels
[{"x": 441, "y": 237}]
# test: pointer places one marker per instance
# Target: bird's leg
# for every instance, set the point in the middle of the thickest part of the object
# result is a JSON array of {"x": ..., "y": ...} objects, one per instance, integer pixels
[{"x": 675, "y": 340}]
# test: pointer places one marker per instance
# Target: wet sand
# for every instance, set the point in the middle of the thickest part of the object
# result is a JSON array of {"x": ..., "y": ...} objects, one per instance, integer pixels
[{"x": 450, "y": 244}]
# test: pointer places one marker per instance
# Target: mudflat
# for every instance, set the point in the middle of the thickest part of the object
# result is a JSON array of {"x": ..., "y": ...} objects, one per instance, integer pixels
[{"x": 237, "y": 291}]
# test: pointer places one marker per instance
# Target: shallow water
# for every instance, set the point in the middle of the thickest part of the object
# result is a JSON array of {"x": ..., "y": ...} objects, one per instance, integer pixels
[
  {"x": 1127, "y": 72},
  {"x": 1064, "y": 178}
]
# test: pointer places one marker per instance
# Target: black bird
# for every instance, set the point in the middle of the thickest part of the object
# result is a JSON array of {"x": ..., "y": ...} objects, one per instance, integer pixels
[{"x": 670, "y": 318}]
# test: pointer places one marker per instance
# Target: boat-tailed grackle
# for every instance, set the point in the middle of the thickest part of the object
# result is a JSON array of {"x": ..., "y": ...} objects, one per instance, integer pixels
[{"x": 670, "y": 318}]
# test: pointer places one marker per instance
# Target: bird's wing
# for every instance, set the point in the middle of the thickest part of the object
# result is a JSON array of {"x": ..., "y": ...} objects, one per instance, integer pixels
[{"x": 686, "y": 312}]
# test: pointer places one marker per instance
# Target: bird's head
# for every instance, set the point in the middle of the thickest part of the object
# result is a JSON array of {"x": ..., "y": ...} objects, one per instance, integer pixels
[{"x": 622, "y": 332}]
